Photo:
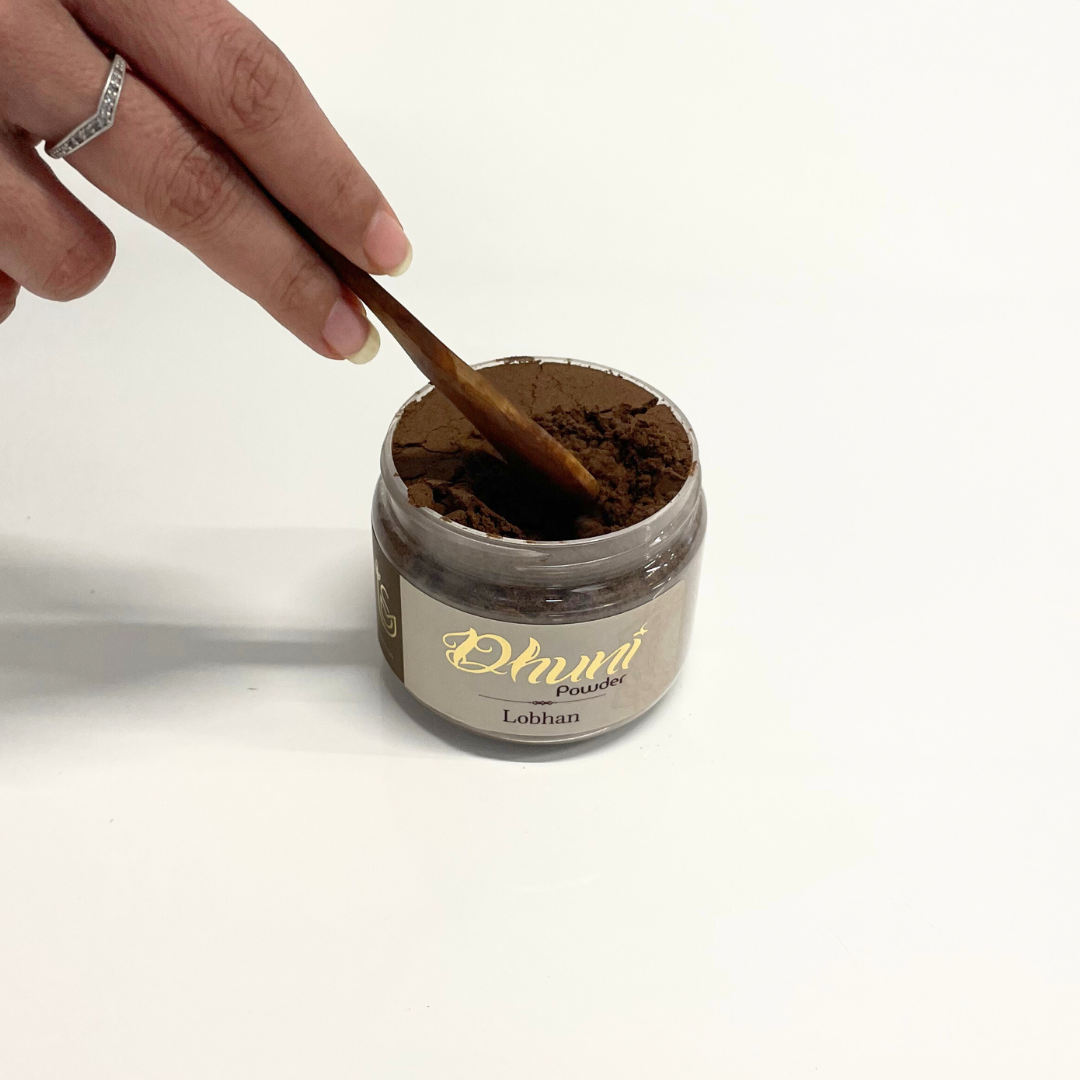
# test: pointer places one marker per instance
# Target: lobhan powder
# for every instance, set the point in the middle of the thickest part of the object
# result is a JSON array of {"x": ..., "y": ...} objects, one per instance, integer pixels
[
  {"x": 634, "y": 446},
  {"x": 508, "y": 610}
]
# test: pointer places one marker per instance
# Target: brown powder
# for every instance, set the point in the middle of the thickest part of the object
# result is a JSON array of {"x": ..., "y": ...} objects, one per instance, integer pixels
[{"x": 634, "y": 446}]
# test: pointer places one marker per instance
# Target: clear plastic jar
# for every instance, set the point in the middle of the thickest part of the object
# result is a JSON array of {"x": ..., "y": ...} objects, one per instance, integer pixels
[{"x": 535, "y": 641}]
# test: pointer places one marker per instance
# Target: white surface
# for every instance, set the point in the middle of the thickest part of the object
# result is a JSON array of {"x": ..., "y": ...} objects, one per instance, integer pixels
[{"x": 845, "y": 846}]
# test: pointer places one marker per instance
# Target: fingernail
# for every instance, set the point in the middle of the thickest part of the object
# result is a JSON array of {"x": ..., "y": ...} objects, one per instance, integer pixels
[
  {"x": 386, "y": 246},
  {"x": 350, "y": 335},
  {"x": 405, "y": 263},
  {"x": 371, "y": 347}
]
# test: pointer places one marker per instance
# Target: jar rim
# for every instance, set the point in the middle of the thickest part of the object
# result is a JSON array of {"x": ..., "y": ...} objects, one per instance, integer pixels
[{"x": 646, "y": 527}]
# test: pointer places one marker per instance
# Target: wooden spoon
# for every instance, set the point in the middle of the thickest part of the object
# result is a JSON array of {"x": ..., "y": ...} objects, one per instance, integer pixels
[{"x": 517, "y": 437}]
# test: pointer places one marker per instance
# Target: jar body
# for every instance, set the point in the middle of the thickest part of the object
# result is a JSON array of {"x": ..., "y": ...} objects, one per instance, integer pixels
[{"x": 535, "y": 642}]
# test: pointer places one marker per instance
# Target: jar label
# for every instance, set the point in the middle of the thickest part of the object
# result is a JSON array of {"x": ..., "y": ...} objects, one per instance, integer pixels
[{"x": 528, "y": 680}]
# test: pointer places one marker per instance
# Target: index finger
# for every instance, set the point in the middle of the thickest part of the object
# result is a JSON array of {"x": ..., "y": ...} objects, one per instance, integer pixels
[{"x": 222, "y": 70}]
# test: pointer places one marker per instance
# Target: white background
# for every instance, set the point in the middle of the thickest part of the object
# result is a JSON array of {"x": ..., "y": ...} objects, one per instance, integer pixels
[{"x": 845, "y": 237}]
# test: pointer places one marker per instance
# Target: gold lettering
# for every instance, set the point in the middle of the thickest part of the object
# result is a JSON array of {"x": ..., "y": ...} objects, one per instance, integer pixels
[
  {"x": 462, "y": 645},
  {"x": 457, "y": 651},
  {"x": 556, "y": 671},
  {"x": 602, "y": 658},
  {"x": 530, "y": 655},
  {"x": 634, "y": 648},
  {"x": 386, "y": 617},
  {"x": 573, "y": 676}
]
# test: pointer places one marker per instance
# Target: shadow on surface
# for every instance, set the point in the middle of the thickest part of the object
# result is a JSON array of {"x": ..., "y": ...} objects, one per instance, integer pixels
[
  {"x": 74, "y": 627},
  {"x": 41, "y": 658}
]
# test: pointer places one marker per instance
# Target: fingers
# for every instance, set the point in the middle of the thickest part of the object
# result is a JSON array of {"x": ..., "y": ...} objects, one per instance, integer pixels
[
  {"x": 49, "y": 242},
  {"x": 9, "y": 291},
  {"x": 222, "y": 70},
  {"x": 181, "y": 178}
]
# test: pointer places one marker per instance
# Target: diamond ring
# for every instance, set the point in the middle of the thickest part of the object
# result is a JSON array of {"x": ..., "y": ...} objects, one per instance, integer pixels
[{"x": 101, "y": 121}]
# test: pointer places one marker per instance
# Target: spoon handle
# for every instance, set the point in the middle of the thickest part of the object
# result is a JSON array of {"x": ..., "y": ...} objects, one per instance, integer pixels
[{"x": 516, "y": 436}]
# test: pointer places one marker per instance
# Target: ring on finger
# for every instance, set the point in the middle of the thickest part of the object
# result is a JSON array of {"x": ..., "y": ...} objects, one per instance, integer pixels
[{"x": 101, "y": 121}]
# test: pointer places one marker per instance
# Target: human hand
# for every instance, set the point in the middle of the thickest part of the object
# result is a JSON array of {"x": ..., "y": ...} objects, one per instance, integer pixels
[{"x": 211, "y": 111}]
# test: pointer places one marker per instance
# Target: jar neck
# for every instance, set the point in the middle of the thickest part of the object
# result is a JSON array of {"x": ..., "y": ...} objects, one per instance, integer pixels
[{"x": 555, "y": 563}]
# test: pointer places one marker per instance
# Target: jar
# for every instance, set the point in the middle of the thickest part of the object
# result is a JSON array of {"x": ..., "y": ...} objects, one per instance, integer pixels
[{"x": 535, "y": 641}]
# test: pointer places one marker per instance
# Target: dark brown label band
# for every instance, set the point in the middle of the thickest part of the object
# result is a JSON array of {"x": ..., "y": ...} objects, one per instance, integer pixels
[{"x": 388, "y": 610}]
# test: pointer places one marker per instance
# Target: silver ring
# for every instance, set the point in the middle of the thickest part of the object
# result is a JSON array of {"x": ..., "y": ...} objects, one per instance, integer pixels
[{"x": 101, "y": 121}]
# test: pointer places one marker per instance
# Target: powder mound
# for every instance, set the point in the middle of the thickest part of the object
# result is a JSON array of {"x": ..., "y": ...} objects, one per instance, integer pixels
[{"x": 633, "y": 445}]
